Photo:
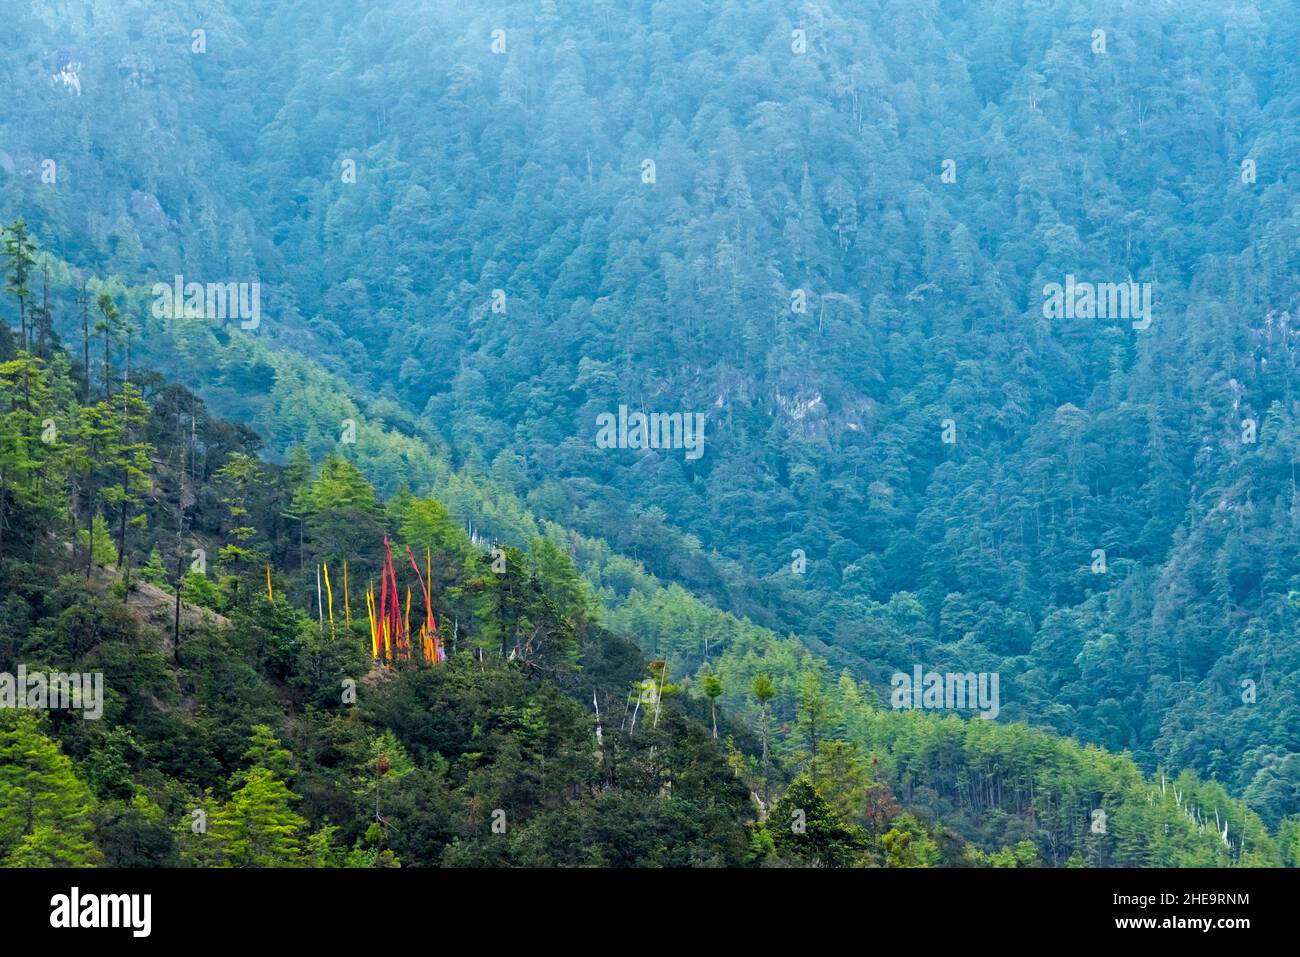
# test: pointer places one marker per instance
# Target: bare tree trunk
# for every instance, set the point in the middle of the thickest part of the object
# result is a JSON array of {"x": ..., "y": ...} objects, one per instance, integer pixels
[
  {"x": 90, "y": 551},
  {"x": 121, "y": 529},
  {"x": 176, "y": 630},
  {"x": 85, "y": 336},
  {"x": 766, "y": 786},
  {"x": 2, "y": 515}
]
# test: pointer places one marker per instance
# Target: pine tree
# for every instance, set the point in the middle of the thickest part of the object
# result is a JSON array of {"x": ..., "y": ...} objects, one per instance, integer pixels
[
  {"x": 764, "y": 691},
  {"x": 711, "y": 684},
  {"x": 110, "y": 325},
  {"x": 126, "y": 458},
  {"x": 814, "y": 718},
  {"x": 257, "y": 827},
  {"x": 20, "y": 249},
  {"x": 44, "y": 808},
  {"x": 806, "y": 829}
]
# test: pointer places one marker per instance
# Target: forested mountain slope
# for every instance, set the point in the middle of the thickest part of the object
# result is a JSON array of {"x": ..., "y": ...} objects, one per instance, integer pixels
[
  {"x": 248, "y": 719},
  {"x": 801, "y": 270}
]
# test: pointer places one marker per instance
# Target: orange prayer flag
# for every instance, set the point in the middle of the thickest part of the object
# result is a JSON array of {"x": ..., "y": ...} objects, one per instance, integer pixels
[
  {"x": 374, "y": 626},
  {"x": 424, "y": 588},
  {"x": 408, "y": 621}
]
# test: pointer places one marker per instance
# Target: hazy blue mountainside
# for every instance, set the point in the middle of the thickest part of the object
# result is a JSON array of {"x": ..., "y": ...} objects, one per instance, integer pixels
[
  {"x": 240, "y": 719},
  {"x": 838, "y": 256}
]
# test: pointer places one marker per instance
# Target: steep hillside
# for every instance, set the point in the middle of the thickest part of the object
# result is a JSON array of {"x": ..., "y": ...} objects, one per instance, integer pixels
[
  {"x": 263, "y": 729},
  {"x": 829, "y": 229}
]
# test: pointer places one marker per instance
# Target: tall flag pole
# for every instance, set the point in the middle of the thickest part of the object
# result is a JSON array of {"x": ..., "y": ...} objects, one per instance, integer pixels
[
  {"x": 396, "y": 611},
  {"x": 330, "y": 594},
  {"x": 347, "y": 611},
  {"x": 374, "y": 624},
  {"x": 383, "y": 594},
  {"x": 428, "y": 604},
  {"x": 408, "y": 621}
]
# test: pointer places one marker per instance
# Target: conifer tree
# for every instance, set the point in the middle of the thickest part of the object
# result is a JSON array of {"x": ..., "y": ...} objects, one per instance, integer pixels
[
  {"x": 44, "y": 808},
  {"x": 20, "y": 249}
]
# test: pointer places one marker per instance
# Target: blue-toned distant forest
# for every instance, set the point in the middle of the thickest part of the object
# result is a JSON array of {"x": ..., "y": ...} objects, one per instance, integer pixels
[{"x": 827, "y": 226}]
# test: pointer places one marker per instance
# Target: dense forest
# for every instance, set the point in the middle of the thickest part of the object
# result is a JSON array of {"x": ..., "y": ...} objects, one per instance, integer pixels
[
  {"x": 248, "y": 722},
  {"x": 827, "y": 227}
]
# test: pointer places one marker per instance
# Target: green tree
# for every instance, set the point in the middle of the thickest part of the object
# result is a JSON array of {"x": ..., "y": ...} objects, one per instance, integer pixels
[
  {"x": 110, "y": 325},
  {"x": 258, "y": 827},
  {"x": 711, "y": 684},
  {"x": 806, "y": 829},
  {"x": 125, "y": 460},
  {"x": 44, "y": 808},
  {"x": 31, "y": 468},
  {"x": 20, "y": 250},
  {"x": 908, "y": 844},
  {"x": 814, "y": 718},
  {"x": 764, "y": 691},
  {"x": 239, "y": 481}
]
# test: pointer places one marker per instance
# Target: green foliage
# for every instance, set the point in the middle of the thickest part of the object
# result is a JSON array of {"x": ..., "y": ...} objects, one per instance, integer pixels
[
  {"x": 255, "y": 828},
  {"x": 103, "y": 552},
  {"x": 198, "y": 589},
  {"x": 817, "y": 175},
  {"x": 502, "y": 725},
  {"x": 44, "y": 808},
  {"x": 806, "y": 829},
  {"x": 974, "y": 555}
]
